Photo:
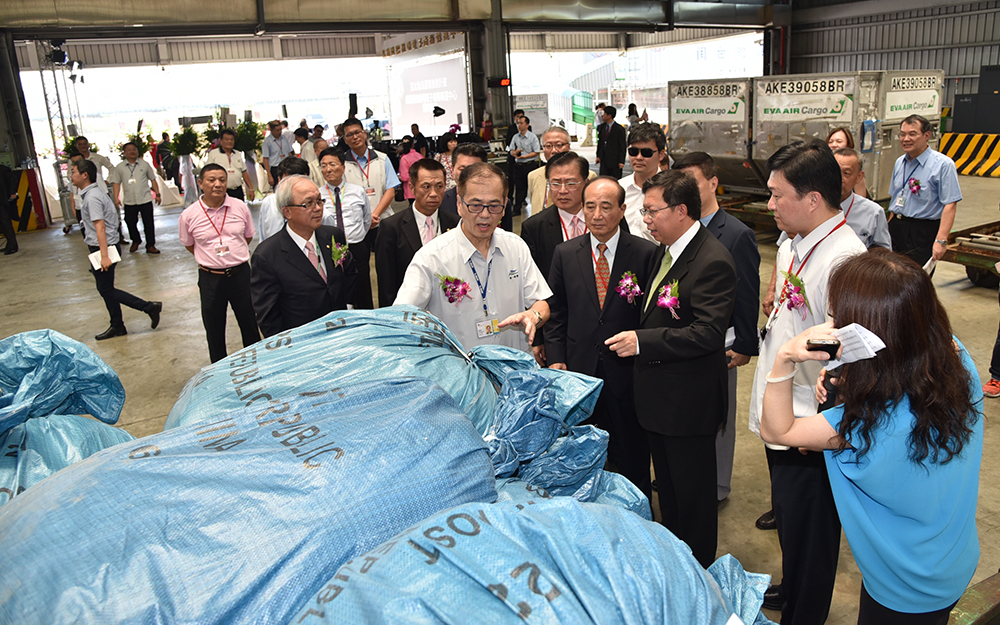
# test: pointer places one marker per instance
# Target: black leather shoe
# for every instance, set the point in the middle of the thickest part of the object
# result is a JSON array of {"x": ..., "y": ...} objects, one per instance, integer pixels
[
  {"x": 112, "y": 332},
  {"x": 774, "y": 599},
  {"x": 766, "y": 521},
  {"x": 9, "y": 251},
  {"x": 155, "y": 308}
]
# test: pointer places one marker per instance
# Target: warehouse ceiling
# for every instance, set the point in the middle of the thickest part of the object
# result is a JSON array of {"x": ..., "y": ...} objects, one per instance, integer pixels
[{"x": 32, "y": 19}]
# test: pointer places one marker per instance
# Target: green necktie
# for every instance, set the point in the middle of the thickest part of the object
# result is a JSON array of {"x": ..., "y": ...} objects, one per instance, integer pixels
[{"x": 664, "y": 268}]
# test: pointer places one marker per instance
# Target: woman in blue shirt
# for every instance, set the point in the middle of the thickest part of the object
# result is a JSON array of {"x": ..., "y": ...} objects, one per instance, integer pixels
[{"x": 903, "y": 448}]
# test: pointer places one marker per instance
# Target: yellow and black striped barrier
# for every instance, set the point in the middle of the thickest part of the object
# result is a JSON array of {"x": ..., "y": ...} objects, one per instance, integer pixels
[{"x": 975, "y": 154}]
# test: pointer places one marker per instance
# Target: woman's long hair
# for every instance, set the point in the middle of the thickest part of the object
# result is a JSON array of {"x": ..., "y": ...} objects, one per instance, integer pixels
[
  {"x": 633, "y": 109},
  {"x": 406, "y": 145},
  {"x": 893, "y": 297}
]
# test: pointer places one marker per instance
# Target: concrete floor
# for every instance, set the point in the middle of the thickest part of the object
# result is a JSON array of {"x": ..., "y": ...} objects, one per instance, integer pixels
[{"x": 47, "y": 285}]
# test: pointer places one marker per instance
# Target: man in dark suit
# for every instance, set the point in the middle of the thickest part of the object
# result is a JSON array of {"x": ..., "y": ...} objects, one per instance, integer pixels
[
  {"x": 565, "y": 175},
  {"x": 304, "y": 271},
  {"x": 741, "y": 337},
  {"x": 680, "y": 358},
  {"x": 611, "y": 145},
  {"x": 461, "y": 157},
  {"x": 586, "y": 310},
  {"x": 401, "y": 235}
]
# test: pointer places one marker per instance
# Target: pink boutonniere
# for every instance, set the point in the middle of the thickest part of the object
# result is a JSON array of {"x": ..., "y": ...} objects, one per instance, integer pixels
[
  {"x": 794, "y": 293},
  {"x": 454, "y": 289},
  {"x": 337, "y": 254},
  {"x": 628, "y": 287},
  {"x": 914, "y": 185},
  {"x": 668, "y": 298}
]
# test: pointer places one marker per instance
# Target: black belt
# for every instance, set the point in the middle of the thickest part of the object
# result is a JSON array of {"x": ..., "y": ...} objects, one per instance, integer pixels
[
  {"x": 228, "y": 271},
  {"x": 905, "y": 218}
]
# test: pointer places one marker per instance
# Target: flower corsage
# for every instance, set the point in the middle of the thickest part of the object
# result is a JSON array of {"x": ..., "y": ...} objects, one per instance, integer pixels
[
  {"x": 454, "y": 289},
  {"x": 794, "y": 293},
  {"x": 337, "y": 254},
  {"x": 628, "y": 287},
  {"x": 668, "y": 298},
  {"x": 914, "y": 185}
]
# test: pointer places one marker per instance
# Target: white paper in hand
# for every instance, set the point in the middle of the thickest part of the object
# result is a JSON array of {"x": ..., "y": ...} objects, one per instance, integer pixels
[
  {"x": 95, "y": 258},
  {"x": 859, "y": 343}
]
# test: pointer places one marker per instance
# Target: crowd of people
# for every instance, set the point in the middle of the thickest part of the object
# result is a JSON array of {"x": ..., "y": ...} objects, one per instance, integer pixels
[{"x": 647, "y": 283}]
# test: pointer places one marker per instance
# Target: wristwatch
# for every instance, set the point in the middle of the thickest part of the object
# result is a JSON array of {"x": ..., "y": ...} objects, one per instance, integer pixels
[{"x": 941, "y": 242}]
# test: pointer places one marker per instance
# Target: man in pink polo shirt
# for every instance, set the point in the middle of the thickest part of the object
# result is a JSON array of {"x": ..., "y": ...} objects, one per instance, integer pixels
[{"x": 217, "y": 230}]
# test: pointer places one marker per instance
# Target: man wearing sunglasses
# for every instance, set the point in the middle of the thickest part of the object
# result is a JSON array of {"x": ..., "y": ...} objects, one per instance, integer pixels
[
  {"x": 480, "y": 281},
  {"x": 646, "y": 145},
  {"x": 294, "y": 278}
]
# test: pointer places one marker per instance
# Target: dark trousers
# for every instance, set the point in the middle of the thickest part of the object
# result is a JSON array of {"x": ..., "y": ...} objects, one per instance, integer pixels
[
  {"x": 871, "y": 612},
  {"x": 913, "y": 237},
  {"x": 521, "y": 171},
  {"x": 809, "y": 534},
  {"x": 686, "y": 485},
  {"x": 610, "y": 169},
  {"x": 362, "y": 252},
  {"x": 114, "y": 298},
  {"x": 217, "y": 293},
  {"x": 236, "y": 193},
  {"x": 6, "y": 224},
  {"x": 132, "y": 212}
]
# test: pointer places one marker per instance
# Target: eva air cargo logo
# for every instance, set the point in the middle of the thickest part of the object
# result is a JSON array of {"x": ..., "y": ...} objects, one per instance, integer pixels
[
  {"x": 705, "y": 109},
  {"x": 915, "y": 106},
  {"x": 839, "y": 108}
]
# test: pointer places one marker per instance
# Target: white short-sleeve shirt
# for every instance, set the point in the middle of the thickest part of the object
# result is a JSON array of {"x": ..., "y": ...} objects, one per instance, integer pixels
[{"x": 514, "y": 285}]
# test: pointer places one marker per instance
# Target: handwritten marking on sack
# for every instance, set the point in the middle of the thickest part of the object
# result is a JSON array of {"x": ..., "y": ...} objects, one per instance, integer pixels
[
  {"x": 146, "y": 451},
  {"x": 219, "y": 435},
  {"x": 331, "y": 591},
  {"x": 297, "y": 435},
  {"x": 10, "y": 494}
]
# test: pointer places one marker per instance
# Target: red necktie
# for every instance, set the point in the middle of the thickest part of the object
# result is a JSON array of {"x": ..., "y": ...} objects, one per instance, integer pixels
[{"x": 602, "y": 275}]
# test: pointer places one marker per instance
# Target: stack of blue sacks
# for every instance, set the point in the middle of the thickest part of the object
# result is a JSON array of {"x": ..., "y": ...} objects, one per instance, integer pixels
[{"x": 345, "y": 449}]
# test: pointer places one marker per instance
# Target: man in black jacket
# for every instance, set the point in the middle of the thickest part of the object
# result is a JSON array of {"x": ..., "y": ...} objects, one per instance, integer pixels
[
  {"x": 611, "y": 145},
  {"x": 587, "y": 309},
  {"x": 680, "y": 374},
  {"x": 305, "y": 270}
]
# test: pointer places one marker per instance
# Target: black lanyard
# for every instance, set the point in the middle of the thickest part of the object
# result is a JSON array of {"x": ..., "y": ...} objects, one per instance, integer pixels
[{"x": 482, "y": 288}]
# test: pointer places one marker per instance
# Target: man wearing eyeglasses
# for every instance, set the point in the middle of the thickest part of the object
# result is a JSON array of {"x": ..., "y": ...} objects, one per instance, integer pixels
[
  {"x": 294, "y": 277},
  {"x": 502, "y": 293},
  {"x": 555, "y": 140},
  {"x": 372, "y": 171},
  {"x": 218, "y": 229},
  {"x": 562, "y": 221},
  {"x": 680, "y": 378},
  {"x": 646, "y": 145}
]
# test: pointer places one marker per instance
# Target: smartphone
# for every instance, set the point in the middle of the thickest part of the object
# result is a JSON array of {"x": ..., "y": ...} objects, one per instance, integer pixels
[{"x": 830, "y": 346}]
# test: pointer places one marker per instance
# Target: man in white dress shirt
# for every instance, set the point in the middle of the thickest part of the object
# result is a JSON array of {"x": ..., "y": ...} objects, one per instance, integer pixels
[
  {"x": 805, "y": 185},
  {"x": 131, "y": 180},
  {"x": 235, "y": 166},
  {"x": 502, "y": 293},
  {"x": 646, "y": 145},
  {"x": 345, "y": 205}
]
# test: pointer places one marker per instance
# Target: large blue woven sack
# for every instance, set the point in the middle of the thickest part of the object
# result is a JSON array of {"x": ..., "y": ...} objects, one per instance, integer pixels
[
  {"x": 546, "y": 561},
  {"x": 343, "y": 347},
  {"x": 43, "y": 372},
  {"x": 46, "y": 373},
  {"x": 40, "y": 446},
  {"x": 240, "y": 519}
]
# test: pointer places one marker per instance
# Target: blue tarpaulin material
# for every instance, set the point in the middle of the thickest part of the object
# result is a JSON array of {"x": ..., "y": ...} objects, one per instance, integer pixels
[
  {"x": 49, "y": 373},
  {"x": 240, "y": 519},
  {"x": 612, "y": 490},
  {"x": 40, "y": 446},
  {"x": 344, "y": 347},
  {"x": 546, "y": 561},
  {"x": 42, "y": 373}
]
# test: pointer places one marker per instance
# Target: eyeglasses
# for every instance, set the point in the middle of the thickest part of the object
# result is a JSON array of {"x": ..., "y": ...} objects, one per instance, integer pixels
[
  {"x": 653, "y": 211},
  {"x": 646, "y": 152},
  {"x": 310, "y": 204},
  {"x": 554, "y": 146},
  {"x": 475, "y": 209},
  {"x": 556, "y": 184},
  {"x": 353, "y": 134}
]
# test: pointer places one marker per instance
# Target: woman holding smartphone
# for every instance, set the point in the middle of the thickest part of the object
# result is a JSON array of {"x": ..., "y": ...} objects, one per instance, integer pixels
[{"x": 903, "y": 448}]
